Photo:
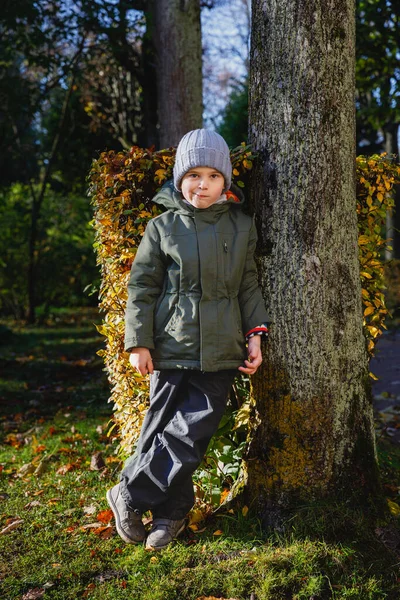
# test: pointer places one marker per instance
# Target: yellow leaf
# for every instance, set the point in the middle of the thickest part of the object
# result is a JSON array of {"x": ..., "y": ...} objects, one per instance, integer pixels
[
  {"x": 195, "y": 516},
  {"x": 363, "y": 239},
  {"x": 224, "y": 494},
  {"x": 393, "y": 507},
  {"x": 365, "y": 274},
  {"x": 193, "y": 527},
  {"x": 218, "y": 532},
  {"x": 379, "y": 196},
  {"x": 154, "y": 560},
  {"x": 242, "y": 415},
  {"x": 373, "y": 376},
  {"x": 245, "y": 510},
  {"x": 369, "y": 310},
  {"x": 235, "y": 172}
]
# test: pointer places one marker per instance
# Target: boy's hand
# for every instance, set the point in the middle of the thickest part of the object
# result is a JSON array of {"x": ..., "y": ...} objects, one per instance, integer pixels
[
  {"x": 254, "y": 356},
  {"x": 140, "y": 359}
]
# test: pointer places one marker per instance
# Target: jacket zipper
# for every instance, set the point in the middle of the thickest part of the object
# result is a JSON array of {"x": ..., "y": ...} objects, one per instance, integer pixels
[{"x": 201, "y": 285}]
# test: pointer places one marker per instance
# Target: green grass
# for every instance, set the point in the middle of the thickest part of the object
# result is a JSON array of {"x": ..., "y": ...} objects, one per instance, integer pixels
[{"x": 54, "y": 415}]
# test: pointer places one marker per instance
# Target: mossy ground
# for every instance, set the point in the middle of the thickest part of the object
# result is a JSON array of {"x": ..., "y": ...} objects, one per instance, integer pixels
[{"x": 54, "y": 415}]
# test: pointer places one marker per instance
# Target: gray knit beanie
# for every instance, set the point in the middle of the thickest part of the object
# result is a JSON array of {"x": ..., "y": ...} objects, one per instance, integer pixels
[{"x": 202, "y": 148}]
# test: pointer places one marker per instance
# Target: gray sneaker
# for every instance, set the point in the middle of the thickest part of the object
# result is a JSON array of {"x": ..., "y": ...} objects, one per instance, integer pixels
[
  {"x": 128, "y": 522},
  {"x": 163, "y": 532}
]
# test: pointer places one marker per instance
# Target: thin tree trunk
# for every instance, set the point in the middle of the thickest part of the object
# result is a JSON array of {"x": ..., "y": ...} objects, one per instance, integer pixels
[
  {"x": 177, "y": 39},
  {"x": 149, "y": 86},
  {"x": 37, "y": 202},
  {"x": 312, "y": 427},
  {"x": 393, "y": 218}
]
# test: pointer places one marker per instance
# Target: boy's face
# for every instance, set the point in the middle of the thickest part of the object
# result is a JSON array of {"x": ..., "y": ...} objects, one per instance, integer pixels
[{"x": 202, "y": 186}]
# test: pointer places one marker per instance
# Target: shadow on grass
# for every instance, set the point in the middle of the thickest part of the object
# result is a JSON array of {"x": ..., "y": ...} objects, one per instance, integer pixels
[{"x": 52, "y": 365}]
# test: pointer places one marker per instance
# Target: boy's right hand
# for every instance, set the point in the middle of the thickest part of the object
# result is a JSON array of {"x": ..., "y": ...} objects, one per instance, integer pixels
[{"x": 140, "y": 359}]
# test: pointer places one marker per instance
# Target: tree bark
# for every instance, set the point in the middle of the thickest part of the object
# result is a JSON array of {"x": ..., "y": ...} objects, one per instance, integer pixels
[
  {"x": 312, "y": 432},
  {"x": 177, "y": 39}
]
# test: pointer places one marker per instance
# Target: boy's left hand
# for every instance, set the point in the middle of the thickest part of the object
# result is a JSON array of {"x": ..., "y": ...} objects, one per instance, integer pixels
[{"x": 254, "y": 356}]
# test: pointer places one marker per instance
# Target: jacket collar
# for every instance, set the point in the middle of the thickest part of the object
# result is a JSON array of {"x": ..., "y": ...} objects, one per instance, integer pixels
[{"x": 173, "y": 200}]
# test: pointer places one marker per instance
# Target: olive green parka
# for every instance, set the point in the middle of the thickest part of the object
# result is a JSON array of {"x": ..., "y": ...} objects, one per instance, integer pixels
[{"x": 193, "y": 292}]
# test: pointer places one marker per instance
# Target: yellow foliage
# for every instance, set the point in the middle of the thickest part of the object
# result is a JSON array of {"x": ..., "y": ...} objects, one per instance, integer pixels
[
  {"x": 376, "y": 176},
  {"x": 393, "y": 507}
]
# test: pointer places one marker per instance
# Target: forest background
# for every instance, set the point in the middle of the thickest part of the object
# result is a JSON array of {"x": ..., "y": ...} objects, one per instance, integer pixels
[{"x": 78, "y": 78}]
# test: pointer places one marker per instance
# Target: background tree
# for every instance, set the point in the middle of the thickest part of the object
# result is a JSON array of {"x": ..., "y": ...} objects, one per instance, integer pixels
[
  {"x": 313, "y": 431},
  {"x": 177, "y": 40},
  {"x": 378, "y": 90}
]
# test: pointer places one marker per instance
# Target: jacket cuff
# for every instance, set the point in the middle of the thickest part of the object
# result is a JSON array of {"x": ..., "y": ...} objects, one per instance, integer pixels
[
  {"x": 259, "y": 330},
  {"x": 138, "y": 343}
]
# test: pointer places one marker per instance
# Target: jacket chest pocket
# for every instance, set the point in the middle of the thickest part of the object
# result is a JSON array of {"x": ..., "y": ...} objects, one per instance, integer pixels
[{"x": 227, "y": 258}]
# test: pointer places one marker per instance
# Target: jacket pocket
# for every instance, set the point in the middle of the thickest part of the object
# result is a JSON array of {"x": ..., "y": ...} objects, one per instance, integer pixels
[{"x": 164, "y": 313}]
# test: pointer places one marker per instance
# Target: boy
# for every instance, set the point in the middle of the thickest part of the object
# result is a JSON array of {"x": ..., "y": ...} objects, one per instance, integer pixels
[{"x": 193, "y": 301}]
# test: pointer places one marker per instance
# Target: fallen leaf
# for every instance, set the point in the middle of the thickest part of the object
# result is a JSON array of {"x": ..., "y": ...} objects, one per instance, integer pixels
[
  {"x": 26, "y": 469},
  {"x": 11, "y": 526},
  {"x": 89, "y": 510},
  {"x": 66, "y": 468},
  {"x": 41, "y": 468},
  {"x": 199, "y": 530},
  {"x": 97, "y": 462},
  {"x": 32, "y": 504},
  {"x": 66, "y": 451},
  {"x": 34, "y": 593},
  {"x": 214, "y": 598},
  {"x": 70, "y": 529},
  {"x": 91, "y": 526},
  {"x": 104, "y": 532},
  {"x": 69, "y": 512},
  {"x": 153, "y": 560},
  {"x": 245, "y": 510},
  {"x": 218, "y": 532},
  {"x": 40, "y": 448},
  {"x": 105, "y": 516}
]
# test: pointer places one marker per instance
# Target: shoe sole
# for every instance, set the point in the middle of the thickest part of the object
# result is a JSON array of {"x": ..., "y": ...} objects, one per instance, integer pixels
[
  {"x": 155, "y": 548},
  {"x": 118, "y": 527}
]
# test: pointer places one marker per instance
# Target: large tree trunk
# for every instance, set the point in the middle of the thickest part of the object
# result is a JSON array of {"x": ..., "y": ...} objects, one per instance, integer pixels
[
  {"x": 177, "y": 38},
  {"x": 313, "y": 432}
]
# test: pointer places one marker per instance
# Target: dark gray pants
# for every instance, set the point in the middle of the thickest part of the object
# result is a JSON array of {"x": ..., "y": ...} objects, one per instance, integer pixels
[{"x": 186, "y": 407}]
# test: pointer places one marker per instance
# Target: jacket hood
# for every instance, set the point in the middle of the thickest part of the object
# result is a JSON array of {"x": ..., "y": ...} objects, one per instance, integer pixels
[{"x": 168, "y": 197}]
